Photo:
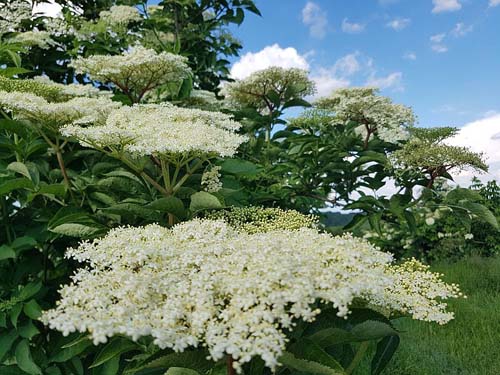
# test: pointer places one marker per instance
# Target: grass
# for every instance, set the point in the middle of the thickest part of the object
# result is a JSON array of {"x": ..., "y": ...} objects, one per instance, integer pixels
[{"x": 470, "y": 344}]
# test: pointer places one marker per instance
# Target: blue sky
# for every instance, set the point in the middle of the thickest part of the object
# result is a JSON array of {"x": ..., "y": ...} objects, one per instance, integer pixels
[{"x": 441, "y": 57}]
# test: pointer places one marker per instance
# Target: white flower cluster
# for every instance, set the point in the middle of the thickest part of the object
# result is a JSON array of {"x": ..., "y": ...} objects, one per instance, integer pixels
[
  {"x": 135, "y": 72},
  {"x": 210, "y": 179},
  {"x": 120, "y": 15},
  {"x": 386, "y": 119},
  {"x": 40, "y": 39},
  {"x": 12, "y": 14},
  {"x": 161, "y": 129},
  {"x": 74, "y": 89},
  {"x": 38, "y": 111},
  {"x": 203, "y": 283}
]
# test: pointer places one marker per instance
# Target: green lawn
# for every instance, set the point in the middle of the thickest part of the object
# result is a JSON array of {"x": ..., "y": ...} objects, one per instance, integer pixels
[{"x": 470, "y": 344}]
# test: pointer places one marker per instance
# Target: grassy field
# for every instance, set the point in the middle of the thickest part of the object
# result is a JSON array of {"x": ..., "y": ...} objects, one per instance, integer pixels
[{"x": 470, "y": 344}]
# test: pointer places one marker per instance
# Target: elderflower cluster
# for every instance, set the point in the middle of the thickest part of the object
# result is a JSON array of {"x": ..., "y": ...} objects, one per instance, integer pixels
[
  {"x": 263, "y": 219},
  {"x": 73, "y": 89},
  {"x": 12, "y": 14},
  {"x": 136, "y": 71},
  {"x": 38, "y": 111},
  {"x": 162, "y": 129},
  {"x": 120, "y": 15},
  {"x": 374, "y": 113},
  {"x": 253, "y": 91},
  {"x": 210, "y": 179},
  {"x": 202, "y": 283},
  {"x": 40, "y": 39}
]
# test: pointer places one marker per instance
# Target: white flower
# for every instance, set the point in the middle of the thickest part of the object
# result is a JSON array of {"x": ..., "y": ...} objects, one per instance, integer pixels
[
  {"x": 74, "y": 89},
  {"x": 40, "y": 112},
  {"x": 136, "y": 71},
  {"x": 210, "y": 179},
  {"x": 162, "y": 129},
  {"x": 204, "y": 283},
  {"x": 430, "y": 221},
  {"x": 12, "y": 14},
  {"x": 469, "y": 236},
  {"x": 41, "y": 39},
  {"x": 120, "y": 15}
]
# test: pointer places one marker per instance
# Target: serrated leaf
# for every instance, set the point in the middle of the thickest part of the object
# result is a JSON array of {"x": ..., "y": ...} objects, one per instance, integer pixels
[
  {"x": 310, "y": 367},
  {"x": 110, "y": 367},
  {"x": 20, "y": 168},
  {"x": 204, "y": 201},
  {"x": 197, "y": 360},
  {"x": 68, "y": 352},
  {"x": 371, "y": 330},
  {"x": 15, "y": 184},
  {"x": 14, "y": 314},
  {"x": 311, "y": 351},
  {"x": 385, "y": 350},
  {"x": 240, "y": 167},
  {"x": 331, "y": 336},
  {"x": 115, "y": 348},
  {"x": 171, "y": 205},
  {"x": 24, "y": 359}
]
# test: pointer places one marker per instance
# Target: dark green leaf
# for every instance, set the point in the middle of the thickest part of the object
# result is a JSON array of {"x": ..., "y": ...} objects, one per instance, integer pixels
[
  {"x": 385, "y": 350},
  {"x": 204, "y": 201},
  {"x": 114, "y": 349},
  {"x": 24, "y": 359}
]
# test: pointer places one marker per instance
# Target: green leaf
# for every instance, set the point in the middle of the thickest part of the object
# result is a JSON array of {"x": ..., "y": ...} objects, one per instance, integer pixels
[
  {"x": 110, "y": 367},
  {"x": 14, "y": 314},
  {"x": 310, "y": 367},
  {"x": 482, "y": 213},
  {"x": 24, "y": 359},
  {"x": 23, "y": 243},
  {"x": 115, "y": 348},
  {"x": 28, "y": 330},
  {"x": 6, "y": 252},
  {"x": 32, "y": 309},
  {"x": 29, "y": 290},
  {"x": 385, "y": 350},
  {"x": 196, "y": 360},
  {"x": 14, "y": 126},
  {"x": 15, "y": 184},
  {"x": 240, "y": 167},
  {"x": 6, "y": 341},
  {"x": 171, "y": 205},
  {"x": 410, "y": 219},
  {"x": 331, "y": 336},
  {"x": 68, "y": 352},
  {"x": 20, "y": 168},
  {"x": 296, "y": 103},
  {"x": 372, "y": 329},
  {"x": 181, "y": 371},
  {"x": 204, "y": 201},
  {"x": 311, "y": 351},
  {"x": 12, "y": 71}
]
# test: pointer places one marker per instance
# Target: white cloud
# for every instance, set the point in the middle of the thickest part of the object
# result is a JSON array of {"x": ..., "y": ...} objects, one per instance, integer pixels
[
  {"x": 439, "y": 48},
  {"x": 446, "y": 6},
  {"x": 461, "y": 30},
  {"x": 481, "y": 136},
  {"x": 49, "y": 9},
  {"x": 352, "y": 28},
  {"x": 398, "y": 23},
  {"x": 314, "y": 17},
  {"x": 327, "y": 82},
  {"x": 436, "y": 43},
  {"x": 392, "y": 81},
  {"x": 347, "y": 65},
  {"x": 438, "y": 38},
  {"x": 410, "y": 56},
  {"x": 494, "y": 3},
  {"x": 269, "y": 56}
]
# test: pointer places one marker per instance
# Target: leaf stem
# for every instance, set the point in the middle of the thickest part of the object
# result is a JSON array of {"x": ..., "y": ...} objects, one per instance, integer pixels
[{"x": 363, "y": 347}]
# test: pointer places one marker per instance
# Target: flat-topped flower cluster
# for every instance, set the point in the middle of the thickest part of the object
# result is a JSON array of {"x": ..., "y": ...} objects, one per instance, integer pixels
[
  {"x": 159, "y": 129},
  {"x": 204, "y": 283}
]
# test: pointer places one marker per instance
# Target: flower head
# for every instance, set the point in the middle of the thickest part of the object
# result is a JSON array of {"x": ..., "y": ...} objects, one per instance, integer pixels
[
  {"x": 162, "y": 129},
  {"x": 237, "y": 293}
]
